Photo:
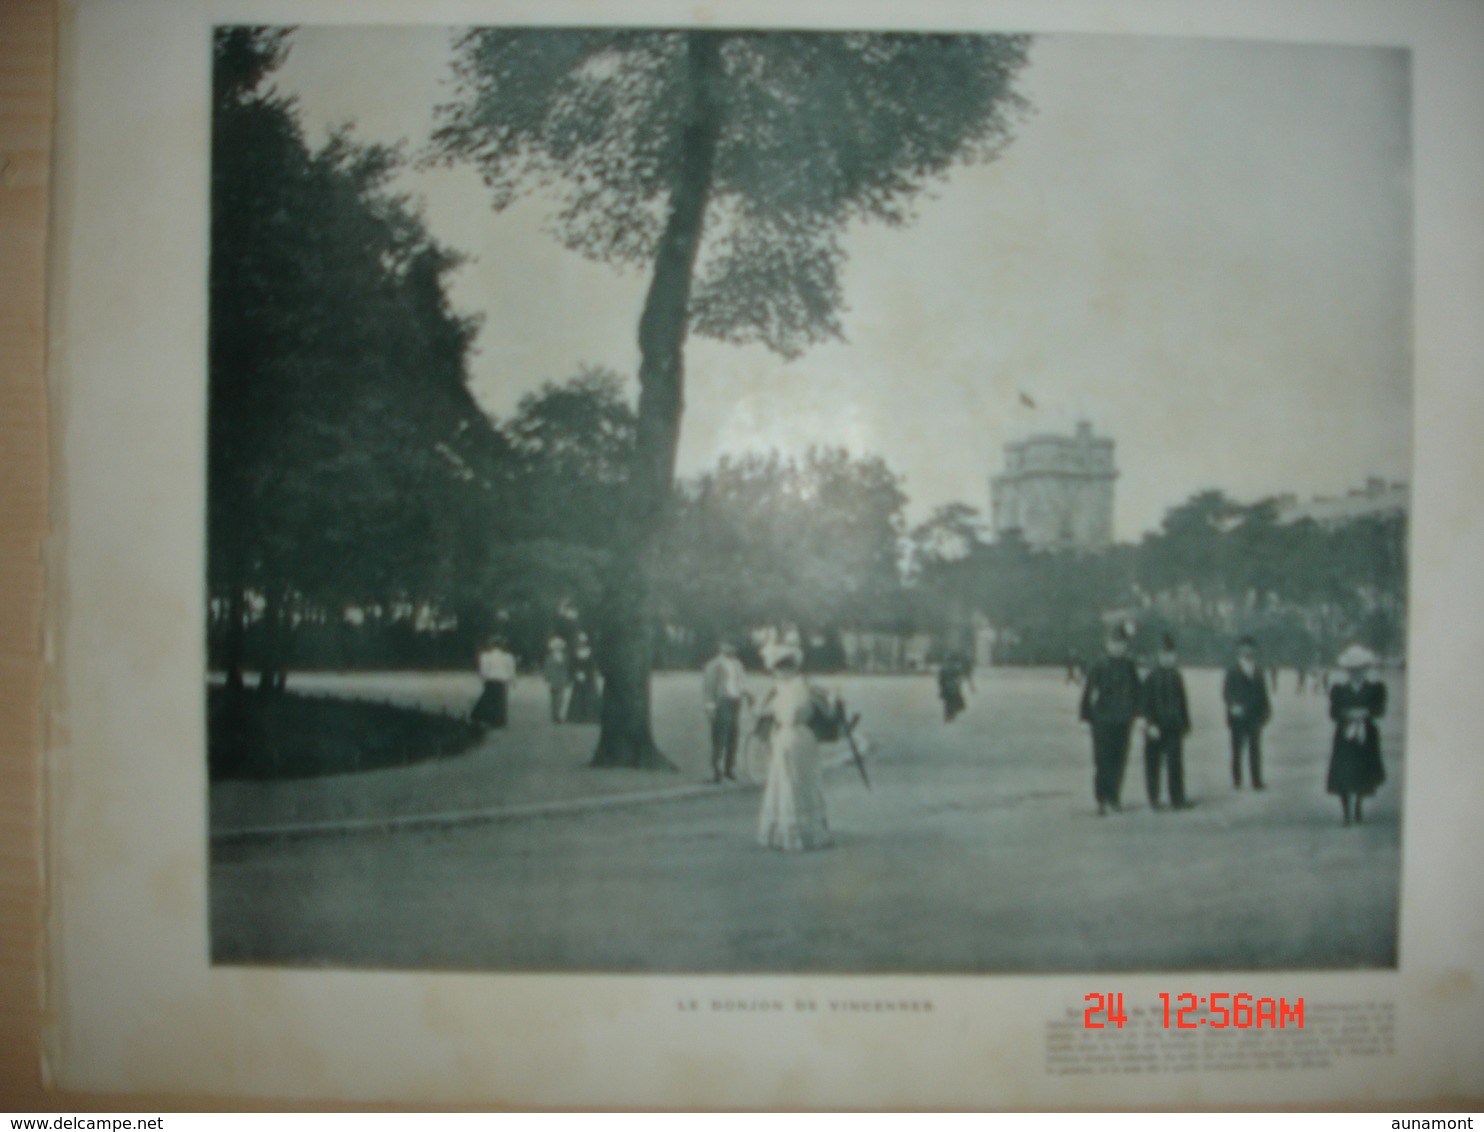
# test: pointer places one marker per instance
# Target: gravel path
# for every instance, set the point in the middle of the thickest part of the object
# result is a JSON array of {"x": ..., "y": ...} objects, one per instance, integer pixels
[{"x": 977, "y": 851}]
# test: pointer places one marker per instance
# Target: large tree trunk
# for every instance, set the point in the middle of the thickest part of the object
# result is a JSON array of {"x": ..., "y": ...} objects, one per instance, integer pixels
[{"x": 625, "y": 646}]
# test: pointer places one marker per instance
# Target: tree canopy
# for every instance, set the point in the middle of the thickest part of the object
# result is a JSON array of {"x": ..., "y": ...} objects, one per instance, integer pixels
[
  {"x": 351, "y": 471},
  {"x": 729, "y": 164},
  {"x": 813, "y": 131},
  {"x": 764, "y": 540},
  {"x": 337, "y": 403}
]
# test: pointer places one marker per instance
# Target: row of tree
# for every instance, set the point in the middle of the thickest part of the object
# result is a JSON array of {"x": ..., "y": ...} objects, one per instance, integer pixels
[
  {"x": 361, "y": 505},
  {"x": 725, "y": 162},
  {"x": 342, "y": 437},
  {"x": 360, "y": 502},
  {"x": 1215, "y": 570},
  {"x": 819, "y": 542}
]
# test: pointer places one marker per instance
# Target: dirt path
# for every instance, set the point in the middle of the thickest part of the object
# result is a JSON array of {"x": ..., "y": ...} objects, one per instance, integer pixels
[{"x": 978, "y": 850}]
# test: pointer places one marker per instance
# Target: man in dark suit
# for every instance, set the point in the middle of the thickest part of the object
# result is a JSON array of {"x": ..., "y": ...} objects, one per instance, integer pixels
[
  {"x": 1166, "y": 715},
  {"x": 1248, "y": 710},
  {"x": 1110, "y": 701}
]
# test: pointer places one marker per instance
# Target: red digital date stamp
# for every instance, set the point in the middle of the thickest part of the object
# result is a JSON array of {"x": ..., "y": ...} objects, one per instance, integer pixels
[{"x": 1194, "y": 1011}]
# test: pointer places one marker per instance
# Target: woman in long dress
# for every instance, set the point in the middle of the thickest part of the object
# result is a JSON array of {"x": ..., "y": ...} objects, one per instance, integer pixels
[
  {"x": 1355, "y": 768},
  {"x": 497, "y": 670},
  {"x": 586, "y": 702},
  {"x": 793, "y": 815}
]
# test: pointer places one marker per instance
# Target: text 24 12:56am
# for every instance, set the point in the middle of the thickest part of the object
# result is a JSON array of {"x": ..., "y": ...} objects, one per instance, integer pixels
[{"x": 1192, "y": 1011}]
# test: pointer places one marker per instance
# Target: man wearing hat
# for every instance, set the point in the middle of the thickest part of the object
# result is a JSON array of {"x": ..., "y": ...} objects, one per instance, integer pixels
[
  {"x": 1166, "y": 715},
  {"x": 1110, "y": 701},
  {"x": 1248, "y": 710},
  {"x": 723, "y": 690}
]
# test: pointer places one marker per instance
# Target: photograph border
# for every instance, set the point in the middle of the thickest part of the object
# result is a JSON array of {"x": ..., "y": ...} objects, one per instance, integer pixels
[{"x": 134, "y": 1001}]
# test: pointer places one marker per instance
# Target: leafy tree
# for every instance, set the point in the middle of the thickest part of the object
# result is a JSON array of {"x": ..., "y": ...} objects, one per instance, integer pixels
[
  {"x": 570, "y": 447},
  {"x": 813, "y": 542},
  {"x": 950, "y": 534},
  {"x": 946, "y": 571},
  {"x": 1216, "y": 568},
  {"x": 1304, "y": 587},
  {"x": 573, "y": 444},
  {"x": 726, "y": 163},
  {"x": 1051, "y": 601},
  {"x": 344, "y": 447}
]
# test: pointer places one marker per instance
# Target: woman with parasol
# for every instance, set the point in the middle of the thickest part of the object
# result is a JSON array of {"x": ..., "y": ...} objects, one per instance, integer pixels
[{"x": 793, "y": 814}]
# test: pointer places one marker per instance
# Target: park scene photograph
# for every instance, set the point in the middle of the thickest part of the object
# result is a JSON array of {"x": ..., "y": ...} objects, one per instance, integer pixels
[{"x": 752, "y": 500}]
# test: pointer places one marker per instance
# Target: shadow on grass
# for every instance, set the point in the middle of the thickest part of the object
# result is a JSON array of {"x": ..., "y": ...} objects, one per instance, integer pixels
[{"x": 283, "y": 735}]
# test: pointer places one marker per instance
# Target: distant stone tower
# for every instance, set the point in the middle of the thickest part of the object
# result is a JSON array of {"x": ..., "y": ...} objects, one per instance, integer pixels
[{"x": 1057, "y": 491}]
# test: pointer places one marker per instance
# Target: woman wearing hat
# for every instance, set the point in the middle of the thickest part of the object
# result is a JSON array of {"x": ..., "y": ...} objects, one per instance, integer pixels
[
  {"x": 792, "y": 816},
  {"x": 1355, "y": 763},
  {"x": 585, "y": 703}
]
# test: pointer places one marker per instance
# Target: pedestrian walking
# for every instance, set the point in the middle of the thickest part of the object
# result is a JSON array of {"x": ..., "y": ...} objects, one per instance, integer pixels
[
  {"x": 1355, "y": 769},
  {"x": 1166, "y": 713},
  {"x": 723, "y": 692},
  {"x": 1110, "y": 702},
  {"x": 497, "y": 670},
  {"x": 557, "y": 669},
  {"x": 792, "y": 817},
  {"x": 953, "y": 673},
  {"x": 1248, "y": 710},
  {"x": 585, "y": 703}
]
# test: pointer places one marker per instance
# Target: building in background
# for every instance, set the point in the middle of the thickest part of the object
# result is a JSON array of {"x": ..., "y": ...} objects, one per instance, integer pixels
[
  {"x": 1056, "y": 491},
  {"x": 1377, "y": 497}
]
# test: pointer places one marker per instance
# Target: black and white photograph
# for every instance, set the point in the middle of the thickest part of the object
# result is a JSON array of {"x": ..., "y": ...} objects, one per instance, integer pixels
[
  {"x": 746, "y": 500},
  {"x": 756, "y": 556}
]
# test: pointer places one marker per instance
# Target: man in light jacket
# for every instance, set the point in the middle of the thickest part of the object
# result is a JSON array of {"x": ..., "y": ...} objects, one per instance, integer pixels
[{"x": 723, "y": 690}]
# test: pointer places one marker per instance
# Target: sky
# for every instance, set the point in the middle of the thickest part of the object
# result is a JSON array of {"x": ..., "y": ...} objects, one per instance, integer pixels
[{"x": 1201, "y": 247}]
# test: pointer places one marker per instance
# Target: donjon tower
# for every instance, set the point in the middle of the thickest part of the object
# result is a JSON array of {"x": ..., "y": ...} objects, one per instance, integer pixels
[{"x": 1056, "y": 491}]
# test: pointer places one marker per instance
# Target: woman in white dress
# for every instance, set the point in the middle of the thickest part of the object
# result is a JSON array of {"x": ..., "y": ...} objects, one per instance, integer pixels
[{"x": 793, "y": 816}]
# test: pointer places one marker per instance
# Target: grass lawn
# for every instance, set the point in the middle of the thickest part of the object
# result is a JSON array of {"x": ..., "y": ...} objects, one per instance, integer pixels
[{"x": 293, "y": 736}]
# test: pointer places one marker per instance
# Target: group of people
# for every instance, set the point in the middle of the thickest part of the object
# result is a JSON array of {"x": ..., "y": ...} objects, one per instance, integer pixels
[
  {"x": 1115, "y": 697},
  {"x": 571, "y": 679},
  {"x": 787, "y": 720}
]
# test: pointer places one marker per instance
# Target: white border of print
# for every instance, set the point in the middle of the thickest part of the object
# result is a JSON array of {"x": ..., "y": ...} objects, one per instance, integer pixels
[{"x": 136, "y": 1004}]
